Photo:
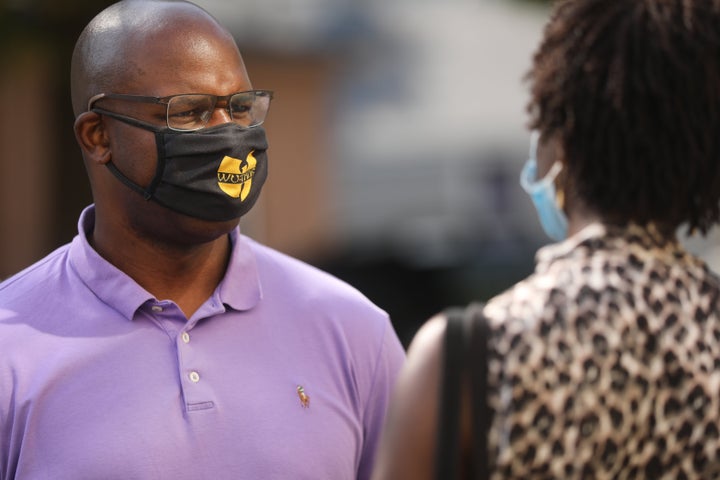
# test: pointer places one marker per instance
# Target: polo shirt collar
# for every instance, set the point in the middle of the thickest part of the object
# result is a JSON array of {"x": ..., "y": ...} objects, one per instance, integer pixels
[{"x": 240, "y": 288}]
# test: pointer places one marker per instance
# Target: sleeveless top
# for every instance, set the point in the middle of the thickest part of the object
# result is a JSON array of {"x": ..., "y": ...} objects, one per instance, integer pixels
[{"x": 605, "y": 362}]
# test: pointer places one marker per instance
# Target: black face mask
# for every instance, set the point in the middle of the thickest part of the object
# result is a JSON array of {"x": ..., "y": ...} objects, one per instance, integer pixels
[{"x": 213, "y": 174}]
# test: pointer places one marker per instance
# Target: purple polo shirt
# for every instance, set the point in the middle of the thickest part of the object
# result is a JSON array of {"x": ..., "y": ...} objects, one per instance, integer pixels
[{"x": 100, "y": 380}]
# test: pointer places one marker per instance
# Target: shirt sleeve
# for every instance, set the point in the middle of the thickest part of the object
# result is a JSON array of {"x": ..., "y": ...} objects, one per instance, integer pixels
[{"x": 390, "y": 358}]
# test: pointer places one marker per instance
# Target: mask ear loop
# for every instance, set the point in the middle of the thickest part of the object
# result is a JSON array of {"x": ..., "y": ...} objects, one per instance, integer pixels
[
  {"x": 160, "y": 168},
  {"x": 128, "y": 183},
  {"x": 554, "y": 174},
  {"x": 159, "y": 142},
  {"x": 560, "y": 181},
  {"x": 150, "y": 191}
]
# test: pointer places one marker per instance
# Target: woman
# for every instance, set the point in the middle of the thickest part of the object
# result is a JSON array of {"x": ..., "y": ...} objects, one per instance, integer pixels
[{"x": 604, "y": 363}]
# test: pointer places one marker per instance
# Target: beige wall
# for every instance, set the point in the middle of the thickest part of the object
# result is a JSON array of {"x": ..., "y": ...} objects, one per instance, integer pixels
[
  {"x": 27, "y": 150},
  {"x": 294, "y": 210}
]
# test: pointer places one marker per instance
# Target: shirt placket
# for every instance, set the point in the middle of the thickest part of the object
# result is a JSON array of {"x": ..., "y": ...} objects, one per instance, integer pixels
[{"x": 194, "y": 385}]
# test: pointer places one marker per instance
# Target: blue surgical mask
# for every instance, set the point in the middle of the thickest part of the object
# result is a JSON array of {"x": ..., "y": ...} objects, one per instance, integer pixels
[{"x": 543, "y": 195}]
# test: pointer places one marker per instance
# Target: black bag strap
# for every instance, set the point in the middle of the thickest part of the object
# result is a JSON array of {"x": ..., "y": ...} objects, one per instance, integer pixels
[
  {"x": 481, "y": 412},
  {"x": 465, "y": 353},
  {"x": 447, "y": 456}
]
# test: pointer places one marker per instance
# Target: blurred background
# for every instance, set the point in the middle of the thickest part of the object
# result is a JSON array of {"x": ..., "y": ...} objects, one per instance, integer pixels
[{"x": 397, "y": 134}]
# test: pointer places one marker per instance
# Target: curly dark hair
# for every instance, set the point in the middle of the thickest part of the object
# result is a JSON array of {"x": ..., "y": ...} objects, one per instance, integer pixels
[{"x": 631, "y": 88}]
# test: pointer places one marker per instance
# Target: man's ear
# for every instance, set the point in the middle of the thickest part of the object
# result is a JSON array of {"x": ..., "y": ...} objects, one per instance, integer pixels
[{"x": 92, "y": 137}]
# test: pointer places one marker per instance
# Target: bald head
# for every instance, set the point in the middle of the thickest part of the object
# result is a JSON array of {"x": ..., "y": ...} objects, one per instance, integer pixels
[{"x": 122, "y": 43}]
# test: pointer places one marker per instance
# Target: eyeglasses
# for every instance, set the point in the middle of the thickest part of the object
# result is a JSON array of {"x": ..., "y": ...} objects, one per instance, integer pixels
[{"x": 192, "y": 111}]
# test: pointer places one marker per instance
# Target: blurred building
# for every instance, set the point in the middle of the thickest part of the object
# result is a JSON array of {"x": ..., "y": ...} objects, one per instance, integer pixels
[
  {"x": 415, "y": 140},
  {"x": 397, "y": 134}
]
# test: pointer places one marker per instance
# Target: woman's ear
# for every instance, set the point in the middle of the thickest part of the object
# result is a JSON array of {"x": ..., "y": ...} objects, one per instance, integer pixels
[{"x": 92, "y": 137}]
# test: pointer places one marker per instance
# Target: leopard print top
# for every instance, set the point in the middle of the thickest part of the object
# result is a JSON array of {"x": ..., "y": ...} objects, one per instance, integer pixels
[{"x": 605, "y": 363}]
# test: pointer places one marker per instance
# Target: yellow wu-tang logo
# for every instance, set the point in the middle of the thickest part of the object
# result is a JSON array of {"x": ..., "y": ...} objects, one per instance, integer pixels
[{"x": 235, "y": 176}]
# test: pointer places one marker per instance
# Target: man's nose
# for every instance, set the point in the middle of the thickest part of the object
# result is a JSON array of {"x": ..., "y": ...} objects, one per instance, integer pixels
[{"x": 220, "y": 115}]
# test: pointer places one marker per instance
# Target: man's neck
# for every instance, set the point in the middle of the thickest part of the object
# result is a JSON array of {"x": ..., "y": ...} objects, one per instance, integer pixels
[{"x": 186, "y": 275}]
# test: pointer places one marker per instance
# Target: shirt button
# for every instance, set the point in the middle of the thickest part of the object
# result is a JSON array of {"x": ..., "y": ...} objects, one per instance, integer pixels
[
  {"x": 194, "y": 377},
  {"x": 185, "y": 337},
  {"x": 157, "y": 308}
]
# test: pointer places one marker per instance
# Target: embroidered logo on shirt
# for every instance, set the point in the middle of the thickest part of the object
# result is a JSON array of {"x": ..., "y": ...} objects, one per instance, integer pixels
[{"x": 304, "y": 398}]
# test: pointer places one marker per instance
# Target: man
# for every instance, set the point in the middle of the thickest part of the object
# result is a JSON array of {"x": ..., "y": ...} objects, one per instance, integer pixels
[{"x": 161, "y": 343}]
